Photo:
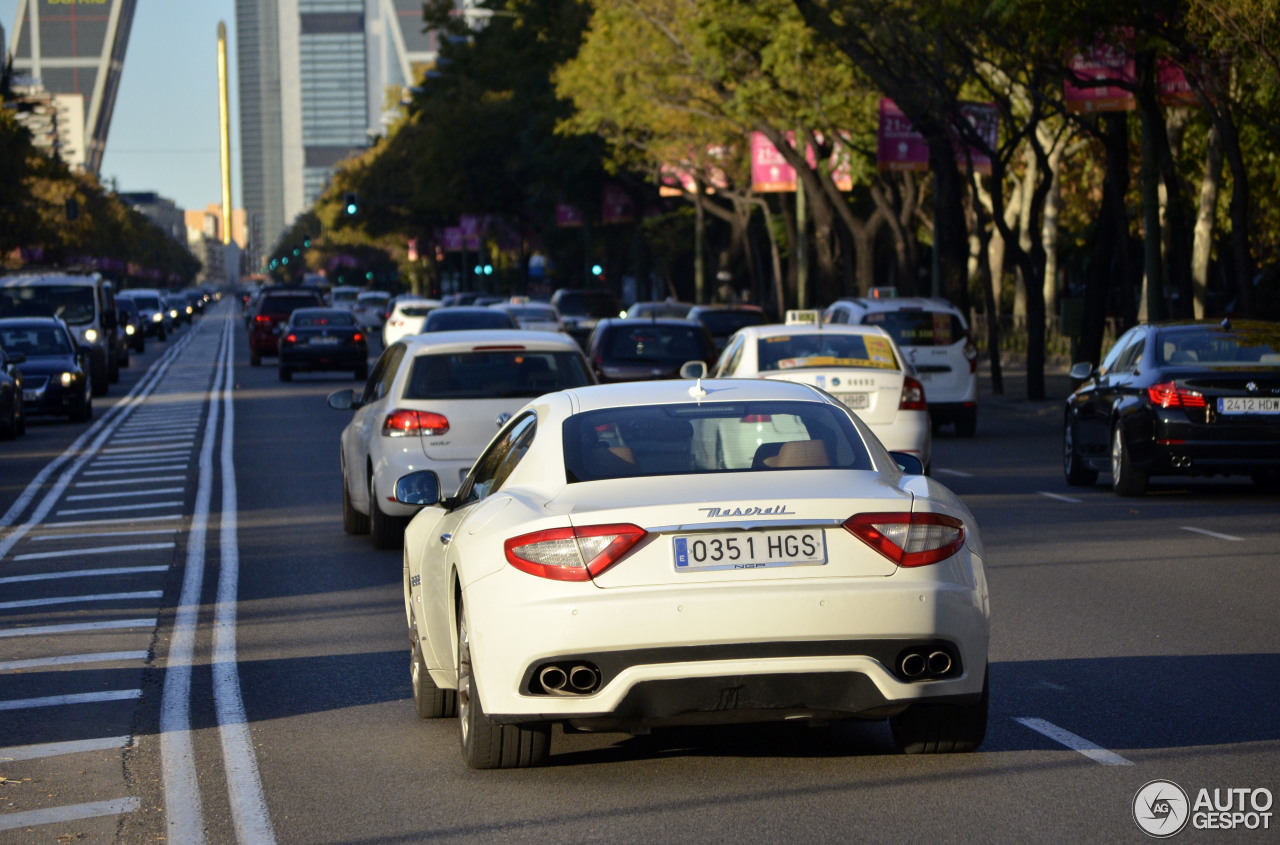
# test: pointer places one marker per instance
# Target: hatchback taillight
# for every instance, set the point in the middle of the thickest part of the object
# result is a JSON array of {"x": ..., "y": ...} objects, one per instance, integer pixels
[
  {"x": 263, "y": 319},
  {"x": 405, "y": 423},
  {"x": 291, "y": 338},
  {"x": 1169, "y": 395},
  {"x": 357, "y": 338},
  {"x": 971, "y": 353},
  {"x": 912, "y": 395},
  {"x": 571, "y": 554},
  {"x": 909, "y": 539}
]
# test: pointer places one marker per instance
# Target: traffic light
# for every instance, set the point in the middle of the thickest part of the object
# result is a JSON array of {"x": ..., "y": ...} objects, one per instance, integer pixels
[{"x": 351, "y": 203}]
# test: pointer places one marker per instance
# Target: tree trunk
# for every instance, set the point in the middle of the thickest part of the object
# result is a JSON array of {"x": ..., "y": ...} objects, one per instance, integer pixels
[
  {"x": 1108, "y": 268},
  {"x": 950, "y": 235},
  {"x": 1203, "y": 247}
]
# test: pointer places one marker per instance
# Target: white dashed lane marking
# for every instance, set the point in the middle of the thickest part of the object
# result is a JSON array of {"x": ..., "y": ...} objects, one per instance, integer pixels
[
  {"x": 1213, "y": 534},
  {"x": 1062, "y": 736},
  {"x": 1058, "y": 497}
]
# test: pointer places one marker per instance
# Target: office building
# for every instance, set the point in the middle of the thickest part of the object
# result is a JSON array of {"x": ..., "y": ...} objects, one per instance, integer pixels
[{"x": 75, "y": 47}]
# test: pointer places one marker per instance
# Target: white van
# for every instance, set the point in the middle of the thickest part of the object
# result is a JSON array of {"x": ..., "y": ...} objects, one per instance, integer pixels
[{"x": 83, "y": 301}]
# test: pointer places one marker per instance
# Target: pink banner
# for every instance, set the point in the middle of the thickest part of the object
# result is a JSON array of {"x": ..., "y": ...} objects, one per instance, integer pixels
[
  {"x": 568, "y": 215},
  {"x": 901, "y": 147},
  {"x": 616, "y": 205},
  {"x": 1104, "y": 60},
  {"x": 1174, "y": 90},
  {"x": 770, "y": 172},
  {"x": 452, "y": 240}
]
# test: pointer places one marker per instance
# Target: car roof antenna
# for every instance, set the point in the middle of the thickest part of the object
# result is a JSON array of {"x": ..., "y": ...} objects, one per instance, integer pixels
[{"x": 698, "y": 391}]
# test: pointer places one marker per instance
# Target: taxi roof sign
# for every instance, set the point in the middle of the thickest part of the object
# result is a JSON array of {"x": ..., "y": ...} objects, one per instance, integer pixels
[
  {"x": 883, "y": 293},
  {"x": 803, "y": 318}
]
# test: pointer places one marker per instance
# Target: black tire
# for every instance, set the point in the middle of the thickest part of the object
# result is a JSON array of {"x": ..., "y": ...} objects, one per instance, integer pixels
[
  {"x": 84, "y": 413},
  {"x": 286, "y": 374},
  {"x": 113, "y": 372},
  {"x": 1078, "y": 475},
  {"x": 9, "y": 428},
  {"x": 967, "y": 424},
  {"x": 486, "y": 745},
  {"x": 1266, "y": 480},
  {"x": 353, "y": 522},
  {"x": 161, "y": 334},
  {"x": 429, "y": 700},
  {"x": 98, "y": 379},
  {"x": 941, "y": 728},
  {"x": 255, "y": 360},
  {"x": 1125, "y": 479},
  {"x": 386, "y": 531},
  {"x": 22, "y": 420}
]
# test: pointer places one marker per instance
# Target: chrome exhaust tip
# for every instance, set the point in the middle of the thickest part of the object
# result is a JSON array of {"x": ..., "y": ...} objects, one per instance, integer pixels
[
  {"x": 553, "y": 679},
  {"x": 939, "y": 663},
  {"x": 913, "y": 664},
  {"x": 584, "y": 678}
]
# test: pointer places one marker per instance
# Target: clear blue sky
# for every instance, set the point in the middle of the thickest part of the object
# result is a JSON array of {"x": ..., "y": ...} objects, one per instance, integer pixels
[{"x": 164, "y": 132}]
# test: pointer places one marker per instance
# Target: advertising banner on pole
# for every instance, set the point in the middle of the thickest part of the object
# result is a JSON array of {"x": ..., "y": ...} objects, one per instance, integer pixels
[
  {"x": 901, "y": 147},
  {"x": 770, "y": 172},
  {"x": 1111, "y": 59}
]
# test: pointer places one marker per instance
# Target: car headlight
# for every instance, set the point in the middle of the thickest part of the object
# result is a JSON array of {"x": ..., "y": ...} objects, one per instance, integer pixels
[
  {"x": 174, "y": 313},
  {"x": 68, "y": 379},
  {"x": 157, "y": 317},
  {"x": 129, "y": 329},
  {"x": 190, "y": 309},
  {"x": 91, "y": 335}
]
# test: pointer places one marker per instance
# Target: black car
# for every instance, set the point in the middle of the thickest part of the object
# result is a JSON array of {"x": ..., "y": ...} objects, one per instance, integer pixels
[
  {"x": 323, "y": 339},
  {"x": 647, "y": 348},
  {"x": 13, "y": 420},
  {"x": 56, "y": 372},
  {"x": 1184, "y": 398},
  {"x": 463, "y": 317},
  {"x": 581, "y": 310},
  {"x": 131, "y": 324}
]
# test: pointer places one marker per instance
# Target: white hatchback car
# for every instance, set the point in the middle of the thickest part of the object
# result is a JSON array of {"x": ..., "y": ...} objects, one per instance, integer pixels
[
  {"x": 408, "y": 313},
  {"x": 370, "y": 308},
  {"x": 600, "y": 568},
  {"x": 533, "y": 316},
  {"x": 858, "y": 365},
  {"x": 934, "y": 336},
  {"x": 433, "y": 401}
]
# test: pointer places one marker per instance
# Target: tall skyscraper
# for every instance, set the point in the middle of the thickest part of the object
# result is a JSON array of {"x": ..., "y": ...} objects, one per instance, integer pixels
[
  {"x": 313, "y": 85},
  {"x": 76, "y": 47}
]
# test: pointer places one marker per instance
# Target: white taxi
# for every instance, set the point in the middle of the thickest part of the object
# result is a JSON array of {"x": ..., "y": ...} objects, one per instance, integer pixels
[
  {"x": 433, "y": 401},
  {"x": 601, "y": 569},
  {"x": 860, "y": 366}
]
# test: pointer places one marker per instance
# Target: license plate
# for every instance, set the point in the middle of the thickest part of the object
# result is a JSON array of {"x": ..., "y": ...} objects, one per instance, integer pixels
[
  {"x": 325, "y": 341},
  {"x": 30, "y": 395},
  {"x": 750, "y": 550},
  {"x": 1248, "y": 405},
  {"x": 856, "y": 401}
]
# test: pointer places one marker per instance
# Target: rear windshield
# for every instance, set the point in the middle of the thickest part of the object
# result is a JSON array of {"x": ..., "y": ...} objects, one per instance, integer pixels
[
  {"x": 588, "y": 305},
  {"x": 373, "y": 298},
  {"x": 725, "y": 323},
  {"x": 73, "y": 303},
  {"x": 653, "y": 343},
  {"x": 309, "y": 319},
  {"x": 494, "y": 374},
  {"x": 711, "y": 437},
  {"x": 826, "y": 350},
  {"x": 445, "y": 320},
  {"x": 1214, "y": 346},
  {"x": 532, "y": 312},
  {"x": 344, "y": 296},
  {"x": 34, "y": 341},
  {"x": 918, "y": 328},
  {"x": 276, "y": 303}
]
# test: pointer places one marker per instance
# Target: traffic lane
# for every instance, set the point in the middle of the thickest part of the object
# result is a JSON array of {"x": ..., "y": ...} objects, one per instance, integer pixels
[{"x": 48, "y": 437}]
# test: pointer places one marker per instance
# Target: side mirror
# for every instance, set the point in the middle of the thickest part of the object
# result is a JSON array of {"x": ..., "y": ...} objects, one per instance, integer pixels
[
  {"x": 343, "y": 400},
  {"x": 418, "y": 488},
  {"x": 908, "y": 464},
  {"x": 693, "y": 370},
  {"x": 1081, "y": 370}
]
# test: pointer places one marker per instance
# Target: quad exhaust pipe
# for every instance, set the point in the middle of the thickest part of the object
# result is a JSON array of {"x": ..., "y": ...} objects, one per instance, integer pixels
[
  {"x": 926, "y": 664},
  {"x": 568, "y": 679}
]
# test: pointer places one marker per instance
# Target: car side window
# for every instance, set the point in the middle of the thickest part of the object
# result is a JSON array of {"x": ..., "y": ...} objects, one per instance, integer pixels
[
  {"x": 1132, "y": 353},
  {"x": 499, "y": 460},
  {"x": 729, "y": 358},
  {"x": 384, "y": 373},
  {"x": 837, "y": 315},
  {"x": 1122, "y": 346}
]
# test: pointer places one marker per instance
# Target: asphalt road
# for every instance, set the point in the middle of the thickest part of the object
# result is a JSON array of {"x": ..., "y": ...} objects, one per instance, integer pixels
[{"x": 1132, "y": 641}]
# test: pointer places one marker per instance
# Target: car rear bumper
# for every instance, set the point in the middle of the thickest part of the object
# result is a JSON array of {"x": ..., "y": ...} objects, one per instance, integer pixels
[
  {"x": 723, "y": 653},
  {"x": 1178, "y": 446},
  {"x": 320, "y": 358}
]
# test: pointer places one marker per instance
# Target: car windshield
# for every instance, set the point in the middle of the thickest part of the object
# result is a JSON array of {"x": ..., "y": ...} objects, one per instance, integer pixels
[
  {"x": 654, "y": 342},
  {"x": 73, "y": 303},
  {"x": 588, "y": 305},
  {"x": 373, "y": 298},
  {"x": 35, "y": 341},
  {"x": 340, "y": 296},
  {"x": 1212, "y": 345},
  {"x": 722, "y": 323},
  {"x": 710, "y": 437},
  {"x": 826, "y": 350},
  {"x": 147, "y": 301},
  {"x": 918, "y": 327},
  {"x": 447, "y": 320},
  {"x": 532, "y": 313},
  {"x": 492, "y": 374},
  {"x": 318, "y": 319}
]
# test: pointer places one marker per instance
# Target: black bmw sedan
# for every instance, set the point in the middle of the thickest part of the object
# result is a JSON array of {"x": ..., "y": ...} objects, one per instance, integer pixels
[
  {"x": 323, "y": 339},
  {"x": 55, "y": 372},
  {"x": 1184, "y": 398}
]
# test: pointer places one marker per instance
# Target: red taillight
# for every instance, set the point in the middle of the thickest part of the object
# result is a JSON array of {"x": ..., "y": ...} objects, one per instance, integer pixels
[
  {"x": 571, "y": 554},
  {"x": 263, "y": 318},
  {"x": 912, "y": 395},
  {"x": 756, "y": 418},
  {"x": 971, "y": 353},
  {"x": 291, "y": 338},
  {"x": 909, "y": 539},
  {"x": 357, "y": 338},
  {"x": 403, "y": 423},
  {"x": 1169, "y": 395}
]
